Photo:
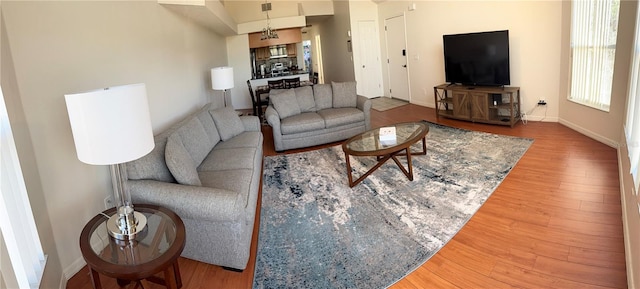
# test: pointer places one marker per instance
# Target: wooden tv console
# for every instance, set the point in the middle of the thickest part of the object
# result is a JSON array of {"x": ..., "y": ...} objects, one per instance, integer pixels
[{"x": 494, "y": 105}]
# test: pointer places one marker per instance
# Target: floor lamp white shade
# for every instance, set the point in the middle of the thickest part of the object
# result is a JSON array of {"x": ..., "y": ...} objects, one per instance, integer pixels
[
  {"x": 222, "y": 79},
  {"x": 111, "y": 126}
]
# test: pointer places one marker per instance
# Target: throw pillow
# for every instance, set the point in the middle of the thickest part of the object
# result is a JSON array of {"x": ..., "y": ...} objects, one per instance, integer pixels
[
  {"x": 304, "y": 94},
  {"x": 344, "y": 94},
  {"x": 322, "y": 95},
  {"x": 227, "y": 122},
  {"x": 285, "y": 103},
  {"x": 180, "y": 163},
  {"x": 151, "y": 166}
]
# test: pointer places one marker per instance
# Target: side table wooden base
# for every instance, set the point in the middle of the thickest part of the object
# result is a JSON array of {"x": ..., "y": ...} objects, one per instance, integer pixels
[{"x": 155, "y": 250}]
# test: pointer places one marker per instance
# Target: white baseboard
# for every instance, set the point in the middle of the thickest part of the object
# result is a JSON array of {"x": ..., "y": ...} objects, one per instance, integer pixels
[
  {"x": 421, "y": 103},
  {"x": 591, "y": 134},
  {"x": 625, "y": 227},
  {"x": 543, "y": 118},
  {"x": 63, "y": 282},
  {"x": 72, "y": 270}
]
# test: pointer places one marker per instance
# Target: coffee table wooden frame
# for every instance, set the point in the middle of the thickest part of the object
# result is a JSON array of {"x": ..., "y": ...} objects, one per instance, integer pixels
[
  {"x": 166, "y": 262},
  {"x": 384, "y": 154}
]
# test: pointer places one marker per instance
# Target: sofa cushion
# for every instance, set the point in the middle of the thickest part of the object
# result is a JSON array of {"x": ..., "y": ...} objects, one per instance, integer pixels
[
  {"x": 227, "y": 122},
  {"x": 180, "y": 163},
  {"x": 322, "y": 94},
  {"x": 229, "y": 159},
  {"x": 344, "y": 94},
  {"x": 285, "y": 102},
  {"x": 247, "y": 139},
  {"x": 195, "y": 140},
  {"x": 334, "y": 117},
  {"x": 153, "y": 166},
  {"x": 209, "y": 126},
  {"x": 229, "y": 181},
  {"x": 304, "y": 95},
  {"x": 301, "y": 123}
]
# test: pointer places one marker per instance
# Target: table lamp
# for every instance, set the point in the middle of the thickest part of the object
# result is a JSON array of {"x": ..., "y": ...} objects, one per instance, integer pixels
[
  {"x": 222, "y": 79},
  {"x": 111, "y": 126}
]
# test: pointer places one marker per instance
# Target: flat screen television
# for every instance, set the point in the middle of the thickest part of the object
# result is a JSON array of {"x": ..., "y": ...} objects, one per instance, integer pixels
[{"x": 480, "y": 58}]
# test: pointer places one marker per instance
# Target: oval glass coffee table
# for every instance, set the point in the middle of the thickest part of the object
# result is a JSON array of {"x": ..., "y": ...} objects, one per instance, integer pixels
[
  {"x": 370, "y": 143},
  {"x": 156, "y": 249}
]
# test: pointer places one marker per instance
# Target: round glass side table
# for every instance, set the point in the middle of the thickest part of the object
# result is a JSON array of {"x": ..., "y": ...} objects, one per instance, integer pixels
[{"x": 156, "y": 249}]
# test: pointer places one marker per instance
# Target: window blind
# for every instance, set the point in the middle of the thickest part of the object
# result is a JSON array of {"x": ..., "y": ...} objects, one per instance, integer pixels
[{"x": 594, "y": 26}]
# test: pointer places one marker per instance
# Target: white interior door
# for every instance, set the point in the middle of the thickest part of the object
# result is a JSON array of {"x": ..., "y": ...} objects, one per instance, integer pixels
[
  {"x": 370, "y": 72},
  {"x": 397, "y": 58}
]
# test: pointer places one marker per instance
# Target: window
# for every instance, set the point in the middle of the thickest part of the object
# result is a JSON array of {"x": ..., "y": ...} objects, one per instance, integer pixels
[
  {"x": 594, "y": 29},
  {"x": 17, "y": 224},
  {"x": 632, "y": 122}
]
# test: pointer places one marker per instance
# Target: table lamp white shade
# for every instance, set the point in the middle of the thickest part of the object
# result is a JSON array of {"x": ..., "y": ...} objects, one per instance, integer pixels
[
  {"x": 111, "y": 125},
  {"x": 222, "y": 78}
]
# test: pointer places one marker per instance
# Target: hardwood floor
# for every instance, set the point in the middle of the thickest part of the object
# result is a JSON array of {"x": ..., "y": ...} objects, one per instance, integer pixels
[{"x": 554, "y": 222}]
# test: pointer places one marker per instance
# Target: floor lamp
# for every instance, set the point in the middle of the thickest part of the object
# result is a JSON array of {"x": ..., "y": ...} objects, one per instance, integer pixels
[
  {"x": 112, "y": 126},
  {"x": 222, "y": 79}
]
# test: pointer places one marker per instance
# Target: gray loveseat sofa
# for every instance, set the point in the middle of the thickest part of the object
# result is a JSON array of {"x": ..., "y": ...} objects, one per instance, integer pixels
[
  {"x": 207, "y": 169},
  {"x": 308, "y": 116}
]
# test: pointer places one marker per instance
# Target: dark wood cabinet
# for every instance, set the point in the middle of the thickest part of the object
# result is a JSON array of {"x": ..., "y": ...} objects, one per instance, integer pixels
[
  {"x": 494, "y": 105},
  {"x": 263, "y": 53},
  {"x": 292, "y": 50}
]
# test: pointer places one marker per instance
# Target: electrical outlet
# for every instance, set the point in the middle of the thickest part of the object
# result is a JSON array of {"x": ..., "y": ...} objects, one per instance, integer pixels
[
  {"x": 108, "y": 202},
  {"x": 542, "y": 102}
]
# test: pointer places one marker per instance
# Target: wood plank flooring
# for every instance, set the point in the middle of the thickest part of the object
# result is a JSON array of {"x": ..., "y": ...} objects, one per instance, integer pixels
[{"x": 554, "y": 222}]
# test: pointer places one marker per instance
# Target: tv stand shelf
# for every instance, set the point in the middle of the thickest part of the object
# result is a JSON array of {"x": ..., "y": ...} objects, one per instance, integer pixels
[{"x": 486, "y": 104}]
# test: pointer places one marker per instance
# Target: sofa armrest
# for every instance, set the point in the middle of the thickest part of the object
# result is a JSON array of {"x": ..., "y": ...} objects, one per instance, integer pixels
[
  {"x": 273, "y": 118},
  {"x": 250, "y": 122},
  {"x": 189, "y": 202},
  {"x": 364, "y": 104}
]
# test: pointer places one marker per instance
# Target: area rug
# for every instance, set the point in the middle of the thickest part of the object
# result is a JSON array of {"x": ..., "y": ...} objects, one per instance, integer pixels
[
  {"x": 386, "y": 103},
  {"x": 316, "y": 232}
]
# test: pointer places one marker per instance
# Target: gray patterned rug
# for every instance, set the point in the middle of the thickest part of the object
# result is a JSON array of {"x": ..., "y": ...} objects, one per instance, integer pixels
[{"x": 316, "y": 232}]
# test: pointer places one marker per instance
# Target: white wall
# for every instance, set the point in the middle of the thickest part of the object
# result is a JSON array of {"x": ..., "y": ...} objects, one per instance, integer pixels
[
  {"x": 244, "y": 11},
  {"x": 66, "y": 47},
  {"x": 336, "y": 60},
  {"x": 534, "y": 31},
  {"x": 629, "y": 195},
  {"x": 240, "y": 59},
  {"x": 53, "y": 273}
]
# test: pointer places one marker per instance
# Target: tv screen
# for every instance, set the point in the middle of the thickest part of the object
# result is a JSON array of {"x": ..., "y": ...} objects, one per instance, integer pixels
[{"x": 480, "y": 58}]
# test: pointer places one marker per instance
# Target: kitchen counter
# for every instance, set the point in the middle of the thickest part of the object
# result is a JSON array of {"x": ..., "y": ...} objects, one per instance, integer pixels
[
  {"x": 304, "y": 76},
  {"x": 291, "y": 73}
]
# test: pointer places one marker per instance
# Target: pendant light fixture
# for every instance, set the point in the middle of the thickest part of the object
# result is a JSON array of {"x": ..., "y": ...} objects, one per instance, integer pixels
[{"x": 267, "y": 32}]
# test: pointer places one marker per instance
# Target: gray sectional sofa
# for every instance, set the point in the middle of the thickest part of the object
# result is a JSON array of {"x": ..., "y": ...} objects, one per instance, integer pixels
[
  {"x": 308, "y": 116},
  {"x": 207, "y": 169}
]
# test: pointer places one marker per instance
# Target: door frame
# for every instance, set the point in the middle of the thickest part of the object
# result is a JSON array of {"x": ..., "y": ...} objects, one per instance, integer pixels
[
  {"x": 320, "y": 71},
  {"x": 386, "y": 41}
]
